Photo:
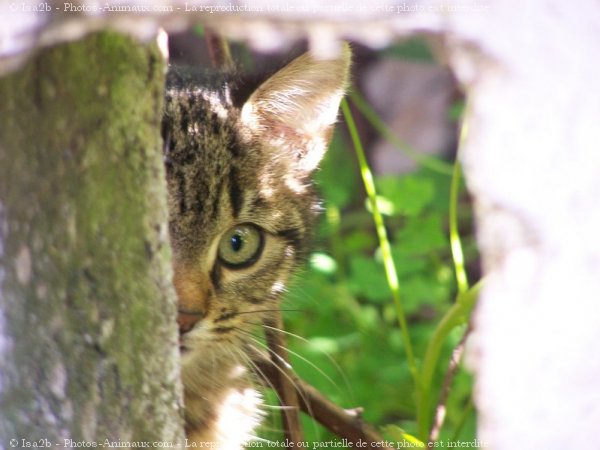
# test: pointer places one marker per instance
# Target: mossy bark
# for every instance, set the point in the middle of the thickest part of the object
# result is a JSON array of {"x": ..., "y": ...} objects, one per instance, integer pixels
[{"x": 87, "y": 314}]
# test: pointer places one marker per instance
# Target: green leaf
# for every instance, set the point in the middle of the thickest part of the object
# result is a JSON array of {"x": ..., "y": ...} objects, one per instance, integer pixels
[
  {"x": 423, "y": 290},
  {"x": 409, "y": 195},
  {"x": 358, "y": 241},
  {"x": 367, "y": 279},
  {"x": 421, "y": 235}
]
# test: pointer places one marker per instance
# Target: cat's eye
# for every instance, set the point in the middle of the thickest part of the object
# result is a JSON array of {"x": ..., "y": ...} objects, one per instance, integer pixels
[{"x": 240, "y": 246}]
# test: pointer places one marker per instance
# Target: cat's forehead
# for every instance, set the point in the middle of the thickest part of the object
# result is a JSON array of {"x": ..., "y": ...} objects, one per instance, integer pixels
[
  {"x": 214, "y": 101},
  {"x": 212, "y": 172}
]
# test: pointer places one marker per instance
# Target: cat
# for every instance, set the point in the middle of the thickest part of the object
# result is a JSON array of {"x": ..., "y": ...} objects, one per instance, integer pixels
[{"x": 241, "y": 213}]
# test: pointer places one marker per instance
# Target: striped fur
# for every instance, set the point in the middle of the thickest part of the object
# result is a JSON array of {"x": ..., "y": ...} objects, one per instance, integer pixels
[{"x": 229, "y": 164}]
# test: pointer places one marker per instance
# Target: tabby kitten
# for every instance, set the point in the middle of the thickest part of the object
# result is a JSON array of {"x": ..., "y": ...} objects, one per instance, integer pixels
[{"x": 242, "y": 210}]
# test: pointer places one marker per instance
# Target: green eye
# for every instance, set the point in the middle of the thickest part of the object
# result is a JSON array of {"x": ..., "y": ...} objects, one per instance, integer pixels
[{"x": 240, "y": 246}]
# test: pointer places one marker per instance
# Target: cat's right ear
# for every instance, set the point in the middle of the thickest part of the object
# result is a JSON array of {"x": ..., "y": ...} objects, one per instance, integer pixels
[{"x": 295, "y": 109}]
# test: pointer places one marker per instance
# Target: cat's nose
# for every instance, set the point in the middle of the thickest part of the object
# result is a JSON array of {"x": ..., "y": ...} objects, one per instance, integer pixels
[
  {"x": 194, "y": 292},
  {"x": 187, "y": 319}
]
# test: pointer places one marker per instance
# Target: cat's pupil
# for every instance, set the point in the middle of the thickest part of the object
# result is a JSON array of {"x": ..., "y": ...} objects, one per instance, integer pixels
[{"x": 237, "y": 242}]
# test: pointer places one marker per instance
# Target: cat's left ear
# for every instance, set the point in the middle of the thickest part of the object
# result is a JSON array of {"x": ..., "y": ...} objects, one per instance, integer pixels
[{"x": 294, "y": 111}]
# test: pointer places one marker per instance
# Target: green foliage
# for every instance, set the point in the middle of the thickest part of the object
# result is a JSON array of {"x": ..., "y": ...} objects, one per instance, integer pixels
[{"x": 355, "y": 350}]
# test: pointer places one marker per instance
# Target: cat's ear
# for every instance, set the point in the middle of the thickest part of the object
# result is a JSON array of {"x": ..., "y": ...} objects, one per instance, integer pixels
[{"x": 295, "y": 109}]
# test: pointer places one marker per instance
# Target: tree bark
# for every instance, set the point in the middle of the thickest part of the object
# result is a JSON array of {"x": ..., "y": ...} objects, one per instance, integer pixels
[{"x": 88, "y": 342}]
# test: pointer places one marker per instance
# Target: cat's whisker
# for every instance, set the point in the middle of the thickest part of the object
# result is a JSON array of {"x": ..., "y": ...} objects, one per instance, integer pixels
[
  {"x": 330, "y": 358},
  {"x": 292, "y": 382},
  {"x": 313, "y": 365},
  {"x": 267, "y": 441},
  {"x": 237, "y": 355},
  {"x": 214, "y": 366},
  {"x": 259, "y": 372},
  {"x": 299, "y": 356},
  {"x": 243, "y": 358},
  {"x": 269, "y": 384},
  {"x": 266, "y": 347},
  {"x": 288, "y": 333},
  {"x": 254, "y": 311}
]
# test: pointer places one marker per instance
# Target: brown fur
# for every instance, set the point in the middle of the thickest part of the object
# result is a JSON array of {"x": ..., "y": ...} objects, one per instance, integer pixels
[{"x": 226, "y": 167}]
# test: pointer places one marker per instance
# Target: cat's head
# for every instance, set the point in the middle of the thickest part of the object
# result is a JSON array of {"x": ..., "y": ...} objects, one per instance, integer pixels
[{"x": 240, "y": 198}]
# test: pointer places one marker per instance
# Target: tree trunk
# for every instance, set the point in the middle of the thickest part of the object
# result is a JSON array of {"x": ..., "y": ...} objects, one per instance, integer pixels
[{"x": 87, "y": 318}]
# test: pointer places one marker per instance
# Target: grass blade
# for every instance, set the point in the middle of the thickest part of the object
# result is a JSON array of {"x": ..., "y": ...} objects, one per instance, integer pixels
[
  {"x": 390, "y": 268},
  {"x": 429, "y": 162}
]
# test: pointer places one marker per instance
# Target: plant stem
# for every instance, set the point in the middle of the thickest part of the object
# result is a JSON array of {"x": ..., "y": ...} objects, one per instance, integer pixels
[
  {"x": 440, "y": 412},
  {"x": 429, "y": 162},
  {"x": 390, "y": 268},
  {"x": 455, "y": 243},
  {"x": 457, "y": 315}
]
